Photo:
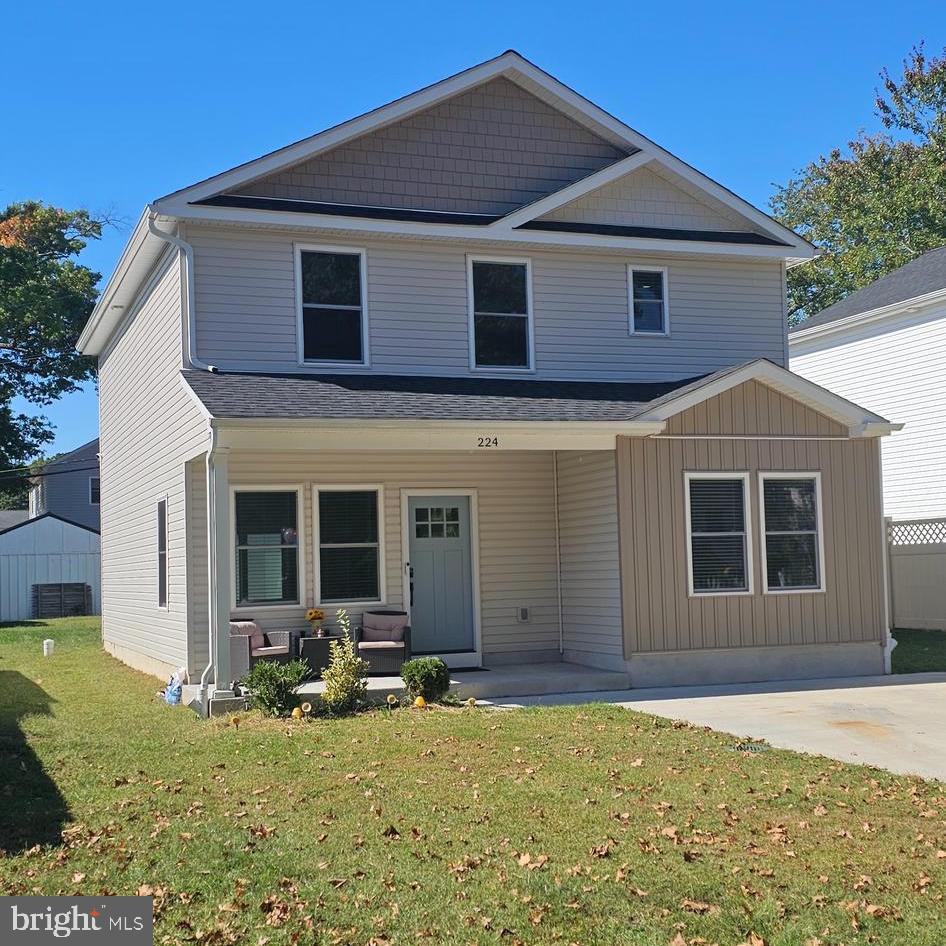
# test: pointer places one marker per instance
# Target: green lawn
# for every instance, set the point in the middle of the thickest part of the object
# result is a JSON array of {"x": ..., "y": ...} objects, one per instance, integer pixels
[
  {"x": 588, "y": 825},
  {"x": 919, "y": 651}
]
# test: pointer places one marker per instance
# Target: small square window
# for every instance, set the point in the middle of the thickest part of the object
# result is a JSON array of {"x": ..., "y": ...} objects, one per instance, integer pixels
[
  {"x": 436, "y": 514},
  {"x": 422, "y": 530},
  {"x": 453, "y": 530},
  {"x": 453, "y": 514},
  {"x": 421, "y": 514},
  {"x": 436, "y": 530}
]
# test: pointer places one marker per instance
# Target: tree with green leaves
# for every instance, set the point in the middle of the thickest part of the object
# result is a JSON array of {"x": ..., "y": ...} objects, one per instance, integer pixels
[
  {"x": 46, "y": 297},
  {"x": 881, "y": 201}
]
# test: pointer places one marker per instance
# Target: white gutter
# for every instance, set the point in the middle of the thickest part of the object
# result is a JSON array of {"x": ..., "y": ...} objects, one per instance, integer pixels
[
  {"x": 190, "y": 333},
  {"x": 558, "y": 556}
]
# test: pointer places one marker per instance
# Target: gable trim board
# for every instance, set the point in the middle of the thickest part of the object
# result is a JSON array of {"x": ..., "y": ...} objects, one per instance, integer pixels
[
  {"x": 49, "y": 515},
  {"x": 515, "y": 67}
]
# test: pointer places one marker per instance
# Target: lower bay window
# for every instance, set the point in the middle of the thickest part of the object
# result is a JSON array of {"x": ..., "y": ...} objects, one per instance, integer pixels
[
  {"x": 718, "y": 536},
  {"x": 349, "y": 554},
  {"x": 791, "y": 532},
  {"x": 266, "y": 524}
]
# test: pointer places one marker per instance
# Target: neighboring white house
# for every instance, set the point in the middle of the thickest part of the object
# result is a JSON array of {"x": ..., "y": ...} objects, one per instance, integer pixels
[
  {"x": 884, "y": 347},
  {"x": 49, "y": 566},
  {"x": 491, "y": 356}
]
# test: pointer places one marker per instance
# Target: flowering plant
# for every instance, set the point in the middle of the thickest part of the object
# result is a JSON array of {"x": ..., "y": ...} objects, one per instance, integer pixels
[{"x": 315, "y": 614}]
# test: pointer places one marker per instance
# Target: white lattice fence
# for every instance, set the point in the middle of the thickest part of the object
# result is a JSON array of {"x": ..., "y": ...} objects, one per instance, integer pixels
[{"x": 917, "y": 558}]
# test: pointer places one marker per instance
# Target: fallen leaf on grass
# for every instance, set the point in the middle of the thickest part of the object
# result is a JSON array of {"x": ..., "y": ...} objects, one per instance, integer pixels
[{"x": 700, "y": 906}]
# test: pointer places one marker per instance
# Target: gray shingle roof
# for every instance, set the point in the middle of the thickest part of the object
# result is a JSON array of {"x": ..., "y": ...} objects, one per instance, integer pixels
[
  {"x": 376, "y": 397},
  {"x": 925, "y": 274}
]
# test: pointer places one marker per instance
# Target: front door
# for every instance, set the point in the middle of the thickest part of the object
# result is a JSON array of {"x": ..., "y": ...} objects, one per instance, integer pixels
[{"x": 440, "y": 576}]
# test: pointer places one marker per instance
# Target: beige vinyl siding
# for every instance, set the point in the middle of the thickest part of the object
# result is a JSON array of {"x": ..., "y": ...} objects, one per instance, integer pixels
[
  {"x": 722, "y": 311},
  {"x": 488, "y": 150},
  {"x": 149, "y": 425},
  {"x": 649, "y": 197},
  {"x": 659, "y": 615},
  {"x": 517, "y": 560},
  {"x": 895, "y": 367},
  {"x": 591, "y": 577}
]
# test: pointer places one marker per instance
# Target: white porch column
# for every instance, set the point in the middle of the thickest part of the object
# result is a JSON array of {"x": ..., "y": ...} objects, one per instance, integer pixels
[{"x": 220, "y": 539}]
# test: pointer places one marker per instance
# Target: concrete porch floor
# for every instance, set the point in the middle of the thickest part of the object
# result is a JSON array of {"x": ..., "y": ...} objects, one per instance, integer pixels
[{"x": 538, "y": 679}]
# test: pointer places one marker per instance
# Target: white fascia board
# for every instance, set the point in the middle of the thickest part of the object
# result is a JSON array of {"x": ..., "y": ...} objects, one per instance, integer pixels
[
  {"x": 442, "y": 231},
  {"x": 91, "y": 339},
  {"x": 269, "y": 434},
  {"x": 673, "y": 163},
  {"x": 572, "y": 192},
  {"x": 802, "y": 335},
  {"x": 370, "y": 121},
  {"x": 786, "y": 382}
]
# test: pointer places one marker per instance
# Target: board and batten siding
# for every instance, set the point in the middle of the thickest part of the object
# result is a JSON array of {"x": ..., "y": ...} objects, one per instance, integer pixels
[
  {"x": 660, "y": 615},
  {"x": 895, "y": 367},
  {"x": 45, "y": 551},
  {"x": 722, "y": 311},
  {"x": 517, "y": 559},
  {"x": 149, "y": 426},
  {"x": 590, "y": 558}
]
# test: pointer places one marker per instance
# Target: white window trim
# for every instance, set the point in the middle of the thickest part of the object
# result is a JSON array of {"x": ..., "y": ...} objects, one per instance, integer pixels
[
  {"x": 299, "y": 490},
  {"x": 645, "y": 268},
  {"x": 361, "y": 252},
  {"x": 92, "y": 502},
  {"x": 791, "y": 475},
  {"x": 471, "y": 313},
  {"x": 316, "y": 544},
  {"x": 747, "y": 506},
  {"x": 163, "y": 498}
]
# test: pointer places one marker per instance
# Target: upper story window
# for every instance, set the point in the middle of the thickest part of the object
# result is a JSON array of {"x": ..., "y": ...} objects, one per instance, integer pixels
[
  {"x": 332, "y": 318},
  {"x": 95, "y": 490},
  {"x": 647, "y": 297},
  {"x": 500, "y": 314}
]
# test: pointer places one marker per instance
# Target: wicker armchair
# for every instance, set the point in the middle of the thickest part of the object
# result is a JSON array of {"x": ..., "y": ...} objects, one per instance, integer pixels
[
  {"x": 248, "y": 645},
  {"x": 383, "y": 640}
]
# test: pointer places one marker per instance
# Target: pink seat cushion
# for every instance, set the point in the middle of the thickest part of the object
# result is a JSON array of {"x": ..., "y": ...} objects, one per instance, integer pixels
[
  {"x": 248, "y": 629},
  {"x": 381, "y": 645},
  {"x": 383, "y": 627},
  {"x": 269, "y": 651}
]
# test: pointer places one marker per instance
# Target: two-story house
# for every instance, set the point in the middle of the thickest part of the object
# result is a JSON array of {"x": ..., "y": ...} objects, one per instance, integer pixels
[
  {"x": 69, "y": 487},
  {"x": 490, "y": 355}
]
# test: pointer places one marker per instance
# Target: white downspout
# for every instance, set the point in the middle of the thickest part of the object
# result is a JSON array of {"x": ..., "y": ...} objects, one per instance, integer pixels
[
  {"x": 558, "y": 558},
  {"x": 211, "y": 570},
  {"x": 190, "y": 345},
  {"x": 190, "y": 329}
]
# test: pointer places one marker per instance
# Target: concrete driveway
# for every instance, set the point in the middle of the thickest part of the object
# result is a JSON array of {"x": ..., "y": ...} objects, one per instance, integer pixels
[{"x": 893, "y": 722}]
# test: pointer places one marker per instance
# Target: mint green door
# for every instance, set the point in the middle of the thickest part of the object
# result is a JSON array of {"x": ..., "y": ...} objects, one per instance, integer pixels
[{"x": 440, "y": 573}]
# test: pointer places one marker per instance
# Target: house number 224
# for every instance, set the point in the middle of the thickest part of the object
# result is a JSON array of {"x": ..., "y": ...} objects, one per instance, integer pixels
[{"x": 487, "y": 441}]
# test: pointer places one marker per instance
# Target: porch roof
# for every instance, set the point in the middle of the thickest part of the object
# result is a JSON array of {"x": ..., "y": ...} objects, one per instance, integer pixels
[{"x": 239, "y": 395}]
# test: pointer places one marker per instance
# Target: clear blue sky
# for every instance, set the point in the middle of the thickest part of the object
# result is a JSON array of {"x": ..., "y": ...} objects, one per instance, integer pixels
[{"x": 109, "y": 105}]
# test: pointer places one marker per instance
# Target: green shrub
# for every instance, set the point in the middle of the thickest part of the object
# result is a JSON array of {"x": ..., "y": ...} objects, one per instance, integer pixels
[
  {"x": 428, "y": 677},
  {"x": 272, "y": 685},
  {"x": 344, "y": 677}
]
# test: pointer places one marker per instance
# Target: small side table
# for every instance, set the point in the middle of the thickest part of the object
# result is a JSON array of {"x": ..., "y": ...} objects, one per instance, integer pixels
[{"x": 315, "y": 651}]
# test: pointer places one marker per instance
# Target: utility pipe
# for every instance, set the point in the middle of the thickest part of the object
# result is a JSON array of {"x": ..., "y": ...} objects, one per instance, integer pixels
[{"x": 190, "y": 296}]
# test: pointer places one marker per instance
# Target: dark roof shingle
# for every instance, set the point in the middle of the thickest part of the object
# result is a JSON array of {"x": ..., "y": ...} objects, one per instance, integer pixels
[
  {"x": 392, "y": 397},
  {"x": 925, "y": 274}
]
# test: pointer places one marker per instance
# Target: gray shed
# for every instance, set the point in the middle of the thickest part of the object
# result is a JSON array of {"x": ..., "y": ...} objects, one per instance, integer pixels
[{"x": 44, "y": 552}]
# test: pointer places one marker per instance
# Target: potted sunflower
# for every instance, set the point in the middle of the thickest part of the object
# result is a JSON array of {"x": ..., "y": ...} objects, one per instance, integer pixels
[{"x": 315, "y": 617}]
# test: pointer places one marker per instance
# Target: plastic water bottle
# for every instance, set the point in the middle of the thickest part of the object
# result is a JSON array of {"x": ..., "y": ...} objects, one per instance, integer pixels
[{"x": 49, "y": 645}]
